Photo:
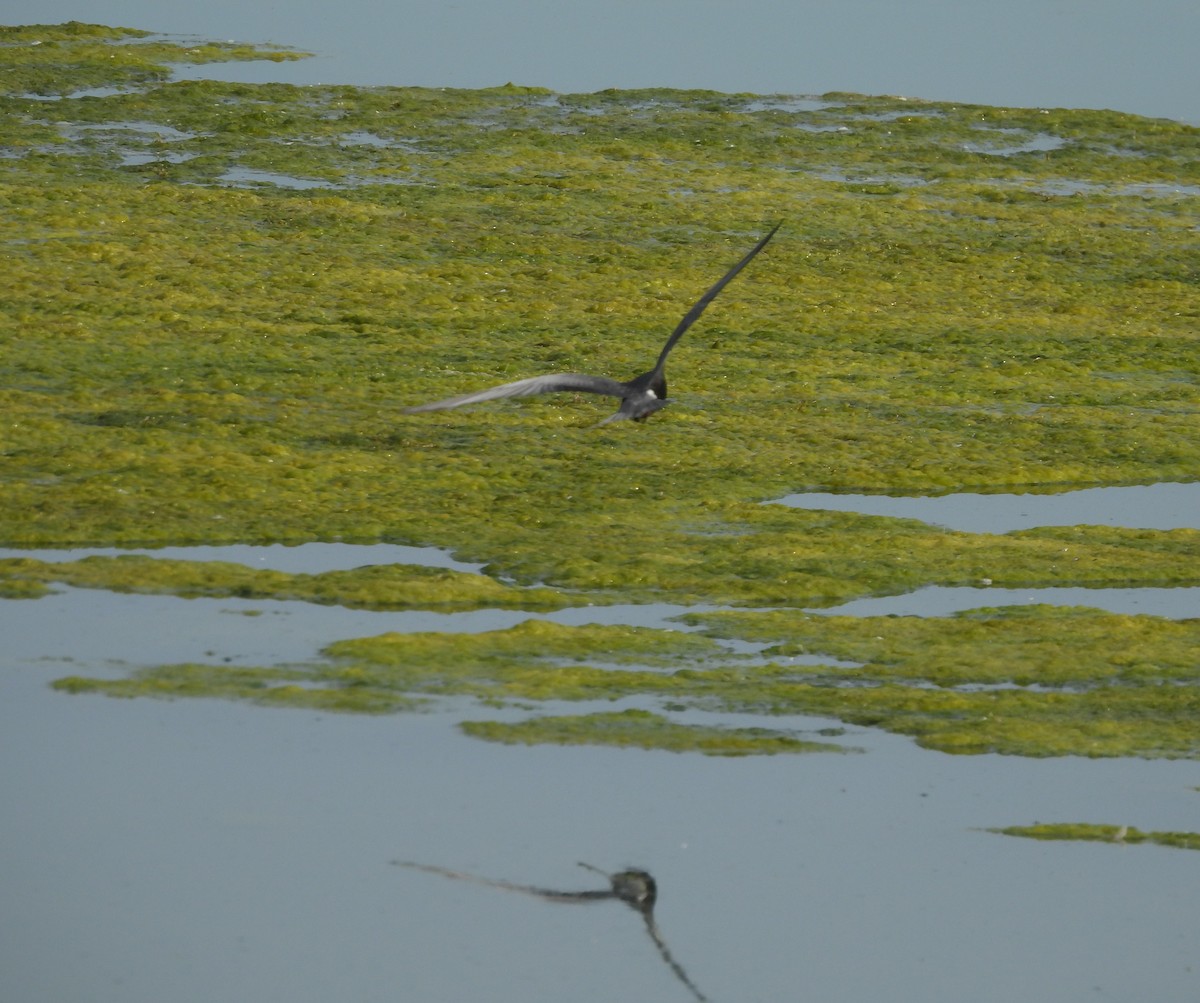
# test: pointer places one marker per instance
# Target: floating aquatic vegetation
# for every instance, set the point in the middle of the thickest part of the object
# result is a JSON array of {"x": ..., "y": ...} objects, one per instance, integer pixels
[
  {"x": 274, "y": 687},
  {"x": 61, "y": 59},
  {"x": 963, "y": 333},
  {"x": 1028, "y": 680},
  {"x": 643, "y": 730},
  {"x": 1034, "y": 681},
  {"x": 1122, "y": 834},
  {"x": 380, "y": 586}
]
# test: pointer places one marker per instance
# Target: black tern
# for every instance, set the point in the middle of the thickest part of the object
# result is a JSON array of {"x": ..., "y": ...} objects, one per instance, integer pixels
[{"x": 640, "y": 397}]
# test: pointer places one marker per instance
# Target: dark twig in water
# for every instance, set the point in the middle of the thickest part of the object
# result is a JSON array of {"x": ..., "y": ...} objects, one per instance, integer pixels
[
  {"x": 635, "y": 888},
  {"x": 640, "y": 397}
]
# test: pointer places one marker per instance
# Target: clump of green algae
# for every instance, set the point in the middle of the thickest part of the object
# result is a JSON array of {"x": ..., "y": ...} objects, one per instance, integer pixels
[
  {"x": 1123, "y": 685},
  {"x": 1035, "y": 680},
  {"x": 191, "y": 354},
  {"x": 641, "y": 729},
  {"x": 1101, "y": 834},
  {"x": 380, "y": 586},
  {"x": 60, "y": 59}
]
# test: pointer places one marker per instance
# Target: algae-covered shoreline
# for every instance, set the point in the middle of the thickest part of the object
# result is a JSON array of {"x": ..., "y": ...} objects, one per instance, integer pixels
[{"x": 219, "y": 296}]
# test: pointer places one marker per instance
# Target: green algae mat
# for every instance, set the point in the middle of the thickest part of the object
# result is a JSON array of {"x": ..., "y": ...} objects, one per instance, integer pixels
[
  {"x": 219, "y": 296},
  {"x": 1089, "y": 832}
]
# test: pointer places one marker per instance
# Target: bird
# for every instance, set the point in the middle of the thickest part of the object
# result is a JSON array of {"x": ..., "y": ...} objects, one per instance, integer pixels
[{"x": 640, "y": 397}]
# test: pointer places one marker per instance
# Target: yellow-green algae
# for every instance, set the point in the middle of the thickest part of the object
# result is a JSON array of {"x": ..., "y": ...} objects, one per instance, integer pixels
[
  {"x": 643, "y": 730},
  {"x": 187, "y": 359},
  {"x": 1101, "y": 834},
  {"x": 1034, "y": 681},
  {"x": 742, "y": 554},
  {"x": 380, "y": 586},
  {"x": 534, "y": 660},
  {"x": 17, "y": 588},
  {"x": 1035, "y": 645},
  {"x": 278, "y": 687},
  {"x": 58, "y": 59},
  {"x": 1028, "y": 680}
]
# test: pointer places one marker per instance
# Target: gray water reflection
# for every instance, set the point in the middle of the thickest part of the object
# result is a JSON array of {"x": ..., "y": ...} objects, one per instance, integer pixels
[
  {"x": 198, "y": 850},
  {"x": 1148, "y": 506}
]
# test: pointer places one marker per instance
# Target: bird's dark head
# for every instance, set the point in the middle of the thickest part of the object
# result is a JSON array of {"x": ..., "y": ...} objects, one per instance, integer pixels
[{"x": 637, "y": 888}]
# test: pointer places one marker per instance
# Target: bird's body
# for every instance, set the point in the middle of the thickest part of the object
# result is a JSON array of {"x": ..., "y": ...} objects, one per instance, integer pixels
[{"x": 640, "y": 397}]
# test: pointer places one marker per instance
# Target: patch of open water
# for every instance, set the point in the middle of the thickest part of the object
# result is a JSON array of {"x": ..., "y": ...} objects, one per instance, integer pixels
[
  {"x": 1142, "y": 506},
  {"x": 201, "y": 850},
  {"x": 936, "y": 600}
]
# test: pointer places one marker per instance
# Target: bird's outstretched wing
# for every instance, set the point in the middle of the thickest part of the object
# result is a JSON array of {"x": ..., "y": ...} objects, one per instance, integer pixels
[
  {"x": 694, "y": 313},
  {"x": 553, "y": 383},
  {"x": 550, "y": 894}
]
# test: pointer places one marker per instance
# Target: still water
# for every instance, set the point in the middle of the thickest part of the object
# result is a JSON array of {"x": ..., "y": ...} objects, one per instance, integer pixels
[
  {"x": 198, "y": 850},
  {"x": 1141, "y": 506},
  {"x": 1138, "y": 58}
]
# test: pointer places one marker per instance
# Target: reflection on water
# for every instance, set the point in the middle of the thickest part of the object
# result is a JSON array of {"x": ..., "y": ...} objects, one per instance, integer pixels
[
  {"x": 273, "y": 828},
  {"x": 636, "y": 888}
]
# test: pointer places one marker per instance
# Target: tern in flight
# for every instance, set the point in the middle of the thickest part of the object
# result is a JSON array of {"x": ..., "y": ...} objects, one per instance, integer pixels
[{"x": 640, "y": 397}]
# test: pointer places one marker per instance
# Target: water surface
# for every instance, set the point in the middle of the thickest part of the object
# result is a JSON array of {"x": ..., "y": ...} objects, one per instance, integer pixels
[
  {"x": 1027, "y": 53},
  {"x": 201, "y": 850}
]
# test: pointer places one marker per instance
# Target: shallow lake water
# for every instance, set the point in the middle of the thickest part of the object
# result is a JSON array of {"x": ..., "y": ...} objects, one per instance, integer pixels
[
  {"x": 1025, "y": 52},
  {"x": 200, "y": 850}
]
